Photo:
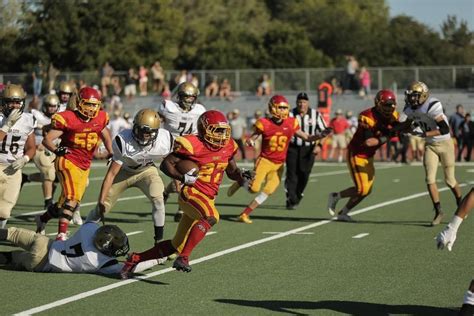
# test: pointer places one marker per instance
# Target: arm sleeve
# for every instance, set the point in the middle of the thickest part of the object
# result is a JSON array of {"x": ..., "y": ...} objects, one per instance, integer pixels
[
  {"x": 443, "y": 127},
  {"x": 117, "y": 146}
]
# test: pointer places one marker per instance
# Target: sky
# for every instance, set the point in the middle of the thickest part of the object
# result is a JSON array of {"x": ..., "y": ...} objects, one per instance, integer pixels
[{"x": 434, "y": 12}]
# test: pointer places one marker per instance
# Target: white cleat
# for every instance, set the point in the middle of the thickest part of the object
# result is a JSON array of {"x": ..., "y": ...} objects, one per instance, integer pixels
[
  {"x": 76, "y": 218},
  {"x": 332, "y": 201},
  {"x": 345, "y": 218}
]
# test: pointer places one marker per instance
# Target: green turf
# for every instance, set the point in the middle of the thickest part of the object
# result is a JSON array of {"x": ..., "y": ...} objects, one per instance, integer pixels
[{"x": 322, "y": 270}]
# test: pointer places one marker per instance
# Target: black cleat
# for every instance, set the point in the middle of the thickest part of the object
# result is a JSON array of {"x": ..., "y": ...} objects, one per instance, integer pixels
[
  {"x": 178, "y": 216},
  {"x": 182, "y": 264}
]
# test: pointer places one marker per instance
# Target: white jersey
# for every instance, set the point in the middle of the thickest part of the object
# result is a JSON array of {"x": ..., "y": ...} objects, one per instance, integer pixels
[
  {"x": 62, "y": 107},
  {"x": 13, "y": 145},
  {"x": 41, "y": 120},
  {"x": 177, "y": 121},
  {"x": 134, "y": 157},
  {"x": 78, "y": 253},
  {"x": 117, "y": 125},
  {"x": 426, "y": 115}
]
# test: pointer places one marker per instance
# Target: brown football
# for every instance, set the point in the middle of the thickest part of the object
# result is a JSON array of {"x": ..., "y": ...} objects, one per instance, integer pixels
[{"x": 183, "y": 166}]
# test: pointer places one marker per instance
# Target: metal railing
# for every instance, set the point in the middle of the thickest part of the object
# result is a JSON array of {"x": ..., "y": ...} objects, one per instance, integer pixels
[{"x": 245, "y": 81}]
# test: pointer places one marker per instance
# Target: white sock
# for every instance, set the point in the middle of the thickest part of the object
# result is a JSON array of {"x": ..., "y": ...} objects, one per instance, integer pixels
[
  {"x": 469, "y": 298},
  {"x": 3, "y": 223}
]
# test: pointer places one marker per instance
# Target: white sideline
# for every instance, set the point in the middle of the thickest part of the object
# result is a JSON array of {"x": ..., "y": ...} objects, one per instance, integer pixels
[{"x": 214, "y": 255}]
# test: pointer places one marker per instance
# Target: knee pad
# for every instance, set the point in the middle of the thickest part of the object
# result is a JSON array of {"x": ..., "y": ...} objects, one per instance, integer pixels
[{"x": 158, "y": 212}]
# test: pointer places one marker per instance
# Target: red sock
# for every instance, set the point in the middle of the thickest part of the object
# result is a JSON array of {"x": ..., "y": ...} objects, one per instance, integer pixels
[
  {"x": 160, "y": 250},
  {"x": 62, "y": 226},
  {"x": 247, "y": 211},
  {"x": 196, "y": 234},
  {"x": 45, "y": 217}
]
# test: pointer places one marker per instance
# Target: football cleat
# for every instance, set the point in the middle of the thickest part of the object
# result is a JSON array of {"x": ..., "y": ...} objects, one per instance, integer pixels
[
  {"x": 166, "y": 195},
  {"x": 332, "y": 201},
  {"x": 40, "y": 226},
  {"x": 131, "y": 262},
  {"x": 437, "y": 219},
  {"x": 233, "y": 188},
  {"x": 182, "y": 264},
  {"x": 244, "y": 218},
  {"x": 345, "y": 218},
  {"x": 178, "y": 216},
  {"x": 76, "y": 218},
  {"x": 172, "y": 256},
  {"x": 61, "y": 237}
]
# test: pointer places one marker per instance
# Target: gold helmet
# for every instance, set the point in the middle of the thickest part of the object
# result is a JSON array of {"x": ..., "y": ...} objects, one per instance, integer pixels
[
  {"x": 111, "y": 241},
  {"x": 66, "y": 89},
  {"x": 145, "y": 126},
  {"x": 187, "y": 95},
  {"x": 12, "y": 94},
  {"x": 50, "y": 105},
  {"x": 416, "y": 94}
]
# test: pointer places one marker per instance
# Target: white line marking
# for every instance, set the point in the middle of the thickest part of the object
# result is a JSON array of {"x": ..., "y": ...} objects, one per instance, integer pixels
[
  {"x": 274, "y": 233},
  {"x": 210, "y": 233},
  {"x": 360, "y": 235},
  {"x": 134, "y": 233},
  {"x": 212, "y": 256}
]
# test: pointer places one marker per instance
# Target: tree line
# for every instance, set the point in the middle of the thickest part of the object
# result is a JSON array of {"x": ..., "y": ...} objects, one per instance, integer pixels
[{"x": 79, "y": 35}]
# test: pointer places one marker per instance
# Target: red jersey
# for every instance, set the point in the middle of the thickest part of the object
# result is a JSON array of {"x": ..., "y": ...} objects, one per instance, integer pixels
[
  {"x": 370, "y": 120},
  {"x": 276, "y": 137},
  {"x": 212, "y": 163},
  {"x": 81, "y": 138}
]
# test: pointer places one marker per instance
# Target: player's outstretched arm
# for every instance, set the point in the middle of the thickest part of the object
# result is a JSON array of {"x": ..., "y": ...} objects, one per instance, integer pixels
[
  {"x": 107, "y": 184},
  {"x": 107, "y": 139},
  {"x": 447, "y": 236}
]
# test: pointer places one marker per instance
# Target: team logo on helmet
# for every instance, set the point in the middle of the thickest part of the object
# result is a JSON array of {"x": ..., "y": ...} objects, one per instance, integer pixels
[{"x": 214, "y": 128}]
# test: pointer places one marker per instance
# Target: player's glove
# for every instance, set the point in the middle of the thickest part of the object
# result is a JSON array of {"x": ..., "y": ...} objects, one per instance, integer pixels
[
  {"x": 247, "y": 174},
  {"x": 61, "y": 151},
  {"x": 326, "y": 132},
  {"x": 17, "y": 165},
  {"x": 190, "y": 177},
  {"x": 250, "y": 142},
  {"x": 11, "y": 120},
  {"x": 446, "y": 238}
]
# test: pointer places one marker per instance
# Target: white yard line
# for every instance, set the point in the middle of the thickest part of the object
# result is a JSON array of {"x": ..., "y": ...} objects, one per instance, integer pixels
[
  {"x": 275, "y": 233},
  {"x": 358, "y": 236},
  {"x": 134, "y": 233},
  {"x": 218, "y": 254}
]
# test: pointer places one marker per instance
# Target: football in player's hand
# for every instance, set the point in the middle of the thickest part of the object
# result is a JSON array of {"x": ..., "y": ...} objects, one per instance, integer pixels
[{"x": 184, "y": 166}]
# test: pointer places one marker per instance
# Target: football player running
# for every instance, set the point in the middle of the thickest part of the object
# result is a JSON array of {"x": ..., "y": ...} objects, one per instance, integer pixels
[
  {"x": 276, "y": 132},
  {"x": 92, "y": 249},
  {"x": 79, "y": 131},
  {"x": 135, "y": 151},
  {"x": 180, "y": 118},
  {"x": 374, "y": 129},
  {"x": 432, "y": 124},
  {"x": 446, "y": 239},
  {"x": 44, "y": 159},
  {"x": 213, "y": 151},
  {"x": 17, "y": 146}
]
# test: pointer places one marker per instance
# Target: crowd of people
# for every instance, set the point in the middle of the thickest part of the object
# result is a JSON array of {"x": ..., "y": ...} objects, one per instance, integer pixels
[{"x": 196, "y": 146}]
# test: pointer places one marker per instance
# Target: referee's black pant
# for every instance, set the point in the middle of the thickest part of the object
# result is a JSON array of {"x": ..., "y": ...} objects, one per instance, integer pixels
[{"x": 299, "y": 162}]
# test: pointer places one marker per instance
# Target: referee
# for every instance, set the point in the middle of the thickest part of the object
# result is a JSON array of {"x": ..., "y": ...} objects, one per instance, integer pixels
[{"x": 301, "y": 154}]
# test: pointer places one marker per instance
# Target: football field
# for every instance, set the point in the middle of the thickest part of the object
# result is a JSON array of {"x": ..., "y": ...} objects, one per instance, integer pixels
[{"x": 297, "y": 262}]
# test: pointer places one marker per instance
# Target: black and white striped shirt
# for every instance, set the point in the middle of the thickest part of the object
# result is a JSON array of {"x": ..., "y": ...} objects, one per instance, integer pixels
[{"x": 311, "y": 123}]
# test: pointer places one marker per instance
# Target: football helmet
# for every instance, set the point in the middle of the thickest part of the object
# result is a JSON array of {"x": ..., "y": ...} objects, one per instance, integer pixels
[
  {"x": 12, "y": 93},
  {"x": 66, "y": 89},
  {"x": 145, "y": 126},
  {"x": 187, "y": 95},
  {"x": 111, "y": 241},
  {"x": 89, "y": 102},
  {"x": 385, "y": 102},
  {"x": 416, "y": 94},
  {"x": 278, "y": 107},
  {"x": 50, "y": 105},
  {"x": 214, "y": 128}
]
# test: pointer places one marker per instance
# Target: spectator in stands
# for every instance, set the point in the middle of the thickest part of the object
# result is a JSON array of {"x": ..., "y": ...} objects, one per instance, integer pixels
[
  {"x": 117, "y": 123},
  {"x": 455, "y": 122},
  {"x": 166, "y": 94},
  {"x": 336, "y": 86},
  {"x": 264, "y": 86},
  {"x": 353, "y": 122},
  {"x": 225, "y": 90},
  {"x": 116, "y": 86},
  {"x": 143, "y": 80},
  {"x": 212, "y": 88},
  {"x": 194, "y": 80},
  {"x": 351, "y": 82},
  {"x": 38, "y": 74},
  {"x": 158, "y": 76},
  {"x": 365, "y": 81},
  {"x": 53, "y": 72},
  {"x": 467, "y": 133},
  {"x": 131, "y": 80},
  {"x": 238, "y": 130},
  {"x": 106, "y": 78},
  {"x": 181, "y": 77},
  {"x": 339, "y": 124}
]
